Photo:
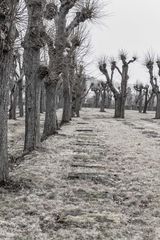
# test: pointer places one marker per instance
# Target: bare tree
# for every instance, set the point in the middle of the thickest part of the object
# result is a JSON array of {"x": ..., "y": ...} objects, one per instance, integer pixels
[
  {"x": 43, "y": 99},
  {"x": 34, "y": 72},
  {"x": 96, "y": 89},
  {"x": 129, "y": 98},
  {"x": 144, "y": 96},
  {"x": 152, "y": 101},
  {"x": 77, "y": 51},
  {"x": 108, "y": 97},
  {"x": 13, "y": 89},
  {"x": 80, "y": 89},
  {"x": 149, "y": 63},
  {"x": 139, "y": 101},
  {"x": 8, "y": 34},
  {"x": 58, "y": 53},
  {"x": 56, "y": 48},
  {"x": 103, "y": 87},
  {"x": 16, "y": 81},
  {"x": 148, "y": 95},
  {"x": 119, "y": 94},
  {"x": 20, "y": 84}
]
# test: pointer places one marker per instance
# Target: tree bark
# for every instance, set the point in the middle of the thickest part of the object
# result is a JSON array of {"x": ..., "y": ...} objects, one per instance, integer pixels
[
  {"x": 56, "y": 66},
  {"x": 151, "y": 103},
  {"x": 43, "y": 99},
  {"x": 20, "y": 98},
  {"x": 97, "y": 95},
  {"x": 8, "y": 34},
  {"x": 4, "y": 64},
  {"x": 158, "y": 106},
  {"x": 103, "y": 100},
  {"x": 78, "y": 105},
  {"x": 140, "y": 104},
  {"x": 118, "y": 105},
  {"x": 146, "y": 101},
  {"x": 66, "y": 117},
  {"x": 124, "y": 88},
  {"x": 109, "y": 100},
  {"x": 32, "y": 44},
  {"x": 50, "y": 124},
  {"x": 32, "y": 100},
  {"x": 13, "y": 102}
]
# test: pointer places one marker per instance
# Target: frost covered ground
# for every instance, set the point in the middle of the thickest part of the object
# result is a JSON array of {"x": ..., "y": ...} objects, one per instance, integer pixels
[{"x": 98, "y": 179}]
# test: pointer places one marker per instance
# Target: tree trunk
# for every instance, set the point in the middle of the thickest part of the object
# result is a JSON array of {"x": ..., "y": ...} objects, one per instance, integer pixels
[
  {"x": 145, "y": 107},
  {"x": 20, "y": 98},
  {"x": 123, "y": 101},
  {"x": 97, "y": 99},
  {"x": 151, "y": 103},
  {"x": 124, "y": 88},
  {"x": 118, "y": 105},
  {"x": 32, "y": 99},
  {"x": 8, "y": 34},
  {"x": 13, "y": 102},
  {"x": 146, "y": 101},
  {"x": 158, "y": 106},
  {"x": 43, "y": 99},
  {"x": 103, "y": 100},
  {"x": 78, "y": 105},
  {"x": 4, "y": 91},
  {"x": 109, "y": 100},
  {"x": 140, "y": 105},
  {"x": 50, "y": 124},
  {"x": 33, "y": 42},
  {"x": 66, "y": 117},
  {"x": 140, "y": 102},
  {"x": 73, "y": 107}
]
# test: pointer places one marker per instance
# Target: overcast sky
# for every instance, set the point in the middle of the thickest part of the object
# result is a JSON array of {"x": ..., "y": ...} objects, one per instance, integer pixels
[{"x": 133, "y": 25}]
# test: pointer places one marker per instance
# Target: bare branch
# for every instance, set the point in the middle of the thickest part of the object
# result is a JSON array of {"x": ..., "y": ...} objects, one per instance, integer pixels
[
  {"x": 132, "y": 60},
  {"x": 87, "y": 10},
  {"x": 103, "y": 68}
]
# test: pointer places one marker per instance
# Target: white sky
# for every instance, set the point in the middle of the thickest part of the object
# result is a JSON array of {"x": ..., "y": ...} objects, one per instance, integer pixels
[{"x": 133, "y": 25}]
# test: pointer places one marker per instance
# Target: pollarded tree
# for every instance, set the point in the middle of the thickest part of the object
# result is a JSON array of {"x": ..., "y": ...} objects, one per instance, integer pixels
[
  {"x": 129, "y": 98},
  {"x": 76, "y": 53},
  {"x": 69, "y": 77},
  {"x": 78, "y": 77},
  {"x": 96, "y": 89},
  {"x": 20, "y": 83},
  {"x": 144, "y": 96},
  {"x": 139, "y": 101},
  {"x": 100, "y": 94},
  {"x": 121, "y": 93},
  {"x": 34, "y": 72},
  {"x": 108, "y": 97},
  {"x": 8, "y": 34},
  {"x": 79, "y": 90},
  {"x": 16, "y": 93},
  {"x": 149, "y": 63},
  {"x": 148, "y": 95},
  {"x": 103, "y": 87},
  {"x": 58, "y": 51},
  {"x": 152, "y": 101},
  {"x": 13, "y": 89}
]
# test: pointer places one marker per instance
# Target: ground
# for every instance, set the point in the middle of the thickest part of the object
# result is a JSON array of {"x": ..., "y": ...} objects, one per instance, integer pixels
[{"x": 98, "y": 179}]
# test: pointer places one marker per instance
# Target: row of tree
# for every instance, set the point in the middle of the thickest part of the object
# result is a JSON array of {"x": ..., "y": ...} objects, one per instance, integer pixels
[
  {"x": 139, "y": 96},
  {"x": 121, "y": 93},
  {"x": 47, "y": 61}
]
